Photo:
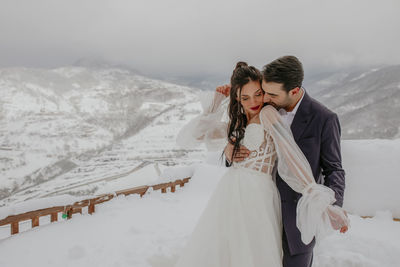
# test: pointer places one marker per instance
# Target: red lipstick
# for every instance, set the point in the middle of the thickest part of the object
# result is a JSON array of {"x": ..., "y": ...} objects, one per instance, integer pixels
[{"x": 255, "y": 108}]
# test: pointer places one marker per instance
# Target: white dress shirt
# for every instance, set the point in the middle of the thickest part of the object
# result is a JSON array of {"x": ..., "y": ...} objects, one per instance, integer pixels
[{"x": 289, "y": 116}]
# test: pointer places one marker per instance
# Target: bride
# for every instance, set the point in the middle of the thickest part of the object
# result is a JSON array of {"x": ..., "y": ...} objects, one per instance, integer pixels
[{"x": 241, "y": 224}]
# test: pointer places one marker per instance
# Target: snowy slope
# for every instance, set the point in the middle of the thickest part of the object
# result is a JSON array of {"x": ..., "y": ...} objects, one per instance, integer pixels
[
  {"x": 130, "y": 231},
  {"x": 77, "y": 131},
  {"x": 371, "y": 166},
  {"x": 71, "y": 126},
  {"x": 85, "y": 130}
]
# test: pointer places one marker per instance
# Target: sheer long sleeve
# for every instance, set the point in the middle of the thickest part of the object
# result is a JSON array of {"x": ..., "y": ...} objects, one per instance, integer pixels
[
  {"x": 208, "y": 127},
  {"x": 316, "y": 214}
]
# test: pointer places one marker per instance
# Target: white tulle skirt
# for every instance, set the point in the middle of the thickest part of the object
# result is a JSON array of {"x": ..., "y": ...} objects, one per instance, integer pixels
[{"x": 240, "y": 226}]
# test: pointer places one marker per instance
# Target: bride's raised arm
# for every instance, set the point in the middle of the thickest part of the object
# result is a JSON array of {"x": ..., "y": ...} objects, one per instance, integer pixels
[
  {"x": 208, "y": 127},
  {"x": 316, "y": 213}
]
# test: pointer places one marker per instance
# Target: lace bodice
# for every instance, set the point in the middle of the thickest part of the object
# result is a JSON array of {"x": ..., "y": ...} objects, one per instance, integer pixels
[{"x": 262, "y": 149}]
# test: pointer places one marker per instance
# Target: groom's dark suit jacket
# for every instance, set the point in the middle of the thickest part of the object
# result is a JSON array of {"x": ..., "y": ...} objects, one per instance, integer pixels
[{"x": 316, "y": 131}]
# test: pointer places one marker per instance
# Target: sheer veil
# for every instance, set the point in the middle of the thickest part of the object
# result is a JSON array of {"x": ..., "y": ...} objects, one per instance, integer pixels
[
  {"x": 316, "y": 214},
  {"x": 210, "y": 127}
]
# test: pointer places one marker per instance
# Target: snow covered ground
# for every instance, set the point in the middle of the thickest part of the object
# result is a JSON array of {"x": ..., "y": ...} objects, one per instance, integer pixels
[
  {"x": 372, "y": 176},
  {"x": 151, "y": 231},
  {"x": 148, "y": 231}
]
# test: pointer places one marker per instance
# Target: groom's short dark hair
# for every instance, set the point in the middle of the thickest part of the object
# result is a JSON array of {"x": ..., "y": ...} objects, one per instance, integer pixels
[{"x": 287, "y": 70}]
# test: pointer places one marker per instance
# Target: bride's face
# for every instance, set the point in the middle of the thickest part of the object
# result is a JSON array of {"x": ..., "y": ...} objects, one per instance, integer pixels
[{"x": 251, "y": 98}]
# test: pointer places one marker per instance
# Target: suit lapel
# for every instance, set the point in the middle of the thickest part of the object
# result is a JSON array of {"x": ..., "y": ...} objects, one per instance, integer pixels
[{"x": 302, "y": 117}]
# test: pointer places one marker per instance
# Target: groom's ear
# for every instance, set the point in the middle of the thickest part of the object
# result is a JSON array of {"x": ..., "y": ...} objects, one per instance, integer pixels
[{"x": 294, "y": 91}]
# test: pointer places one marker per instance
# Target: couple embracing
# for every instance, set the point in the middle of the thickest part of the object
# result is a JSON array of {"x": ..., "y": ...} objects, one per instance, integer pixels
[{"x": 285, "y": 183}]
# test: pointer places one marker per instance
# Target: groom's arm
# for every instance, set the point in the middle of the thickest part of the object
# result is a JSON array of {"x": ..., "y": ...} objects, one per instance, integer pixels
[
  {"x": 331, "y": 158},
  {"x": 240, "y": 155}
]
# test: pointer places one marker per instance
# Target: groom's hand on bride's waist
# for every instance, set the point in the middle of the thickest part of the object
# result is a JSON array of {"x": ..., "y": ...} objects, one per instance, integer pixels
[{"x": 240, "y": 154}]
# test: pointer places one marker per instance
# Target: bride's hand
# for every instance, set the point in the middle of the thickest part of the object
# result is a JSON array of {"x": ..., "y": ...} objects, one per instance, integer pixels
[
  {"x": 224, "y": 89},
  {"x": 346, "y": 227},
  {"x": 337, "y": 220}
]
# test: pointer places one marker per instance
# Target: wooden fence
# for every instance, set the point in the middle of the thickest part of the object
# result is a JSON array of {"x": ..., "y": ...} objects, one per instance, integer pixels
[
  {"x": 76, "y": 207},
  {"x": 69, "y": 210}
]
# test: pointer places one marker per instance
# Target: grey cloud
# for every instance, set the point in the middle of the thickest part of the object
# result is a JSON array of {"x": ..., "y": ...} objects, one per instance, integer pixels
[{"x": 189, "y": 36}]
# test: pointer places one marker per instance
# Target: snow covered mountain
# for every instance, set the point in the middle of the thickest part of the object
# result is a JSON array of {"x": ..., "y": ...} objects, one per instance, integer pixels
[
  {"x": 66, "y": 128},
  {"x": 94, "y": 128},
  {"x": 367, "y": 102}
]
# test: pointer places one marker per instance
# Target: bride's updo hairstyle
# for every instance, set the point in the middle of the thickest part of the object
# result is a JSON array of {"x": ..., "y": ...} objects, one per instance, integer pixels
[{"x": 241, "y": 75}]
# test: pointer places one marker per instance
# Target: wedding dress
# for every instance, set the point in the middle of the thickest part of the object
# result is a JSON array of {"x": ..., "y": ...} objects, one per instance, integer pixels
[{"x": 241, "y": 224}]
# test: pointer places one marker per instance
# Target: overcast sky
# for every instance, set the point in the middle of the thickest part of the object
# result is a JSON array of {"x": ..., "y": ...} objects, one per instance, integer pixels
[{"x": 186, "y": 37}]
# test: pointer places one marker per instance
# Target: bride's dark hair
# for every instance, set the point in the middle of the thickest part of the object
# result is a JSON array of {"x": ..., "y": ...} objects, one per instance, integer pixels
[{"x": 241, "y": 75}]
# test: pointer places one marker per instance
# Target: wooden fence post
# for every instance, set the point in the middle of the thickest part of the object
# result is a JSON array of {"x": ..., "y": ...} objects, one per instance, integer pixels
[
  {"x": 91, "y": 209},
  {"x": 54, "y": 217},
  {"x": 35, "y": 221},
  {"x": 14, "y": 228},
  {"x": 69, "y": 213}
]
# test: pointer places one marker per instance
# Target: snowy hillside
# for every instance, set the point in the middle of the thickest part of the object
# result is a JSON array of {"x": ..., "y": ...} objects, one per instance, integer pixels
[
  {"x": 152, "y": 231},
  {"x": 72, "y": 132},
  {"x": 91, "y": 129},
  {"x": 367, "y": 102},
  {"x": 76, "y": 129}
]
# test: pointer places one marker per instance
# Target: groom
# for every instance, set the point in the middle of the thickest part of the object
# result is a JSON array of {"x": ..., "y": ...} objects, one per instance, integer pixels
[{"x": 316, "y": 131}]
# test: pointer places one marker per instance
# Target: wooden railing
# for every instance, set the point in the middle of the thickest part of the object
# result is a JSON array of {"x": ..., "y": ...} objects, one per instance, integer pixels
[{"x": 77, "y": 207}]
